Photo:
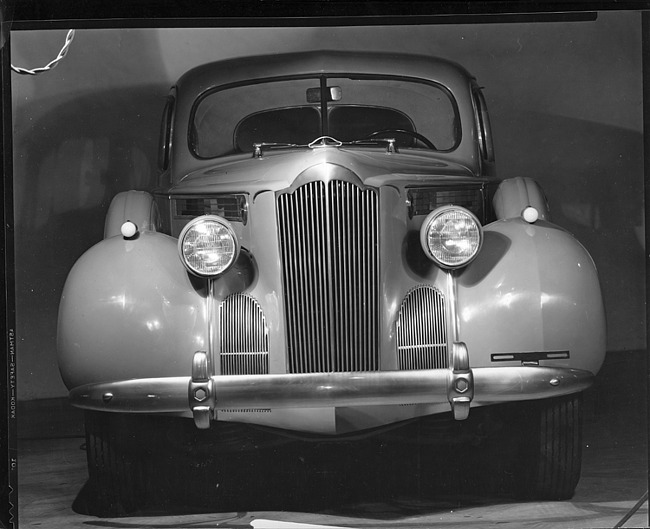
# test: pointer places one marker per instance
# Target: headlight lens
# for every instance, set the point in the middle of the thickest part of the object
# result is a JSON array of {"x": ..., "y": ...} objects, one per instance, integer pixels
[
  {"x": 451, "y": 236},
  {"x": 208, "y": 246}
]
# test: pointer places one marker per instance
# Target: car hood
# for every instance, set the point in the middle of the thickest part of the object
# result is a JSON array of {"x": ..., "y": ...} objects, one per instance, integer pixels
[{"x": 277, "y": 170}]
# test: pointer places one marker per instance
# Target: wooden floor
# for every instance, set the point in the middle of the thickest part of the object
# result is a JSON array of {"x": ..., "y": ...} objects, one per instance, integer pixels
[{"x": 52, "y": 475}]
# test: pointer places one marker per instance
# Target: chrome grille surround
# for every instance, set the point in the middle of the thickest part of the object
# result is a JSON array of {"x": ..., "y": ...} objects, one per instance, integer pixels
[
  {"x": 244, "y": 336},
  {"x": 421, "y": 330},
  {"x": 329, "y": 245}
]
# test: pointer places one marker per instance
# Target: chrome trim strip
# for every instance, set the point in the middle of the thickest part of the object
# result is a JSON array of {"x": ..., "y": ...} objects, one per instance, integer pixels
[
  {"x": 532, "y": 356},
  {"x": 312, "y": 390},
  {"x": 453, "y": 323},
  {"x": 210, "y": 301}
]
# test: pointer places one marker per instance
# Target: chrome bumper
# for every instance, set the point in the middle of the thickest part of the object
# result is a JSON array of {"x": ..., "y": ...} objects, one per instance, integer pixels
[{"x": 203, "y": 393}]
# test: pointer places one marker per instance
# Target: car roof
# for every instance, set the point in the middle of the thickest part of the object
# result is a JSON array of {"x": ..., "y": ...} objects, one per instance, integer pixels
[{"x": 235, "y": 70}]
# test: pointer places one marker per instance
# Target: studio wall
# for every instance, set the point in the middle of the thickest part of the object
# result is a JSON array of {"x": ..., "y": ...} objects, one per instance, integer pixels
[{"x": 565, "y": 100}]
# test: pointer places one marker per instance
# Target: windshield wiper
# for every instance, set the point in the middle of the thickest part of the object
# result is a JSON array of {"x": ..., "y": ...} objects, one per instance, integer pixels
[
  {"x": 390, "y": 143},
  {"x": 325, "y": 141},
  {"x": 258, "y": 148},
  {"x": 328, "y": 141}
]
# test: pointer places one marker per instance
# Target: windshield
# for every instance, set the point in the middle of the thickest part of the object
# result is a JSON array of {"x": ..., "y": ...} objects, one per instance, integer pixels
[{"x": 418, "y": 114}]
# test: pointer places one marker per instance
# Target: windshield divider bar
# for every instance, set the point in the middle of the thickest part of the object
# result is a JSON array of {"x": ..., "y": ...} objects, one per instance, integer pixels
[{"x": 323, "y": 106}]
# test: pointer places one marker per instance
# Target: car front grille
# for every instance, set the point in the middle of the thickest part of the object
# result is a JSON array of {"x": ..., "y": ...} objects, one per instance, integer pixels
[
  {"x": 330, "y": 259},
  {"x": 244, "y": 347},
  {"x": 422, "y": 330}
]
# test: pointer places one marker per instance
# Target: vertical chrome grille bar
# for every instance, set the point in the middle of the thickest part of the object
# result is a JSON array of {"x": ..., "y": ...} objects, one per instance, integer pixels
[
  {"x": 320, "y": 290},
  {"x": 337, "y": 270},
  {"x": 329, "y": 248}
]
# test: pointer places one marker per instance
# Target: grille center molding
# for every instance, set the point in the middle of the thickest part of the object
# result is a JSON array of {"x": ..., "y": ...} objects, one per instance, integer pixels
[{"x": 329, "y": 246}]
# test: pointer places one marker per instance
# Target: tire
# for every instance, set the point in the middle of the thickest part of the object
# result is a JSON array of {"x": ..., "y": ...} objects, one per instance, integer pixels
[
  {"x": 140, "y": 463},
  {"x": 117, "y": 465},
  {"x": 550, "y": 454}
]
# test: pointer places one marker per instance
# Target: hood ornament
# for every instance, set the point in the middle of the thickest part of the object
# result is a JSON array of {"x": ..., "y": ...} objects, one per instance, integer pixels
[{"x": 324, "y": 141}]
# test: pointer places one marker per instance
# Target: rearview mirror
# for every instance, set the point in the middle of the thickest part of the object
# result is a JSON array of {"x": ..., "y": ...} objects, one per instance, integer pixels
[{"x": 334, "y": 93}]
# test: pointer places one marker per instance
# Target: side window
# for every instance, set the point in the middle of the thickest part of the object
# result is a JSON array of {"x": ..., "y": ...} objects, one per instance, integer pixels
[
  {"x": 165, "y": 142},
  {"x": 483, "y": 125}
]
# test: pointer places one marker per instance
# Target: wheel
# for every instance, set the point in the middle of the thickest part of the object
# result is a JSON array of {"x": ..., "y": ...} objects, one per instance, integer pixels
[
  {"x": 410, "y": 133},
  {"x": 551, "y": 449},
  {"x": 140, "y": 463},
  {"x": 117, "y": 465},
  {"x": 123, "y": 473},
  {"x": 143, "y": 463}
]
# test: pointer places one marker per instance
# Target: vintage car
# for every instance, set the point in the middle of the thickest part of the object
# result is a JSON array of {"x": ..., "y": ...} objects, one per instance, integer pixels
[{"x": 329, "y": 251}]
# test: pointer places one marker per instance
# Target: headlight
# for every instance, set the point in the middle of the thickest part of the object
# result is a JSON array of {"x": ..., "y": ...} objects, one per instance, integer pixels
[
  {"x": 208, "y": 246},
  {"x": 451, "y": 236}
]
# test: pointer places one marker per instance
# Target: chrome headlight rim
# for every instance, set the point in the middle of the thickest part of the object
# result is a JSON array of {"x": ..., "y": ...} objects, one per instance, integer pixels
[
  {"x": 195, "y": 224},
  {"x": 427, "y": 226}
]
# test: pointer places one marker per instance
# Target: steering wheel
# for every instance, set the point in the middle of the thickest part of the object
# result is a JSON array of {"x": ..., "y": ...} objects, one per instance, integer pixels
[{"x": 411, "y": 133}]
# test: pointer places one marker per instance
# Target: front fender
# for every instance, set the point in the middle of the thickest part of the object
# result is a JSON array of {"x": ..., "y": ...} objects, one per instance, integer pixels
[
  {"x": 532, "y": 288},
  {"x": 515, "y": 194},
  {"x": 129, "y": 309},
  {"x": 136, "y": 206}
]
